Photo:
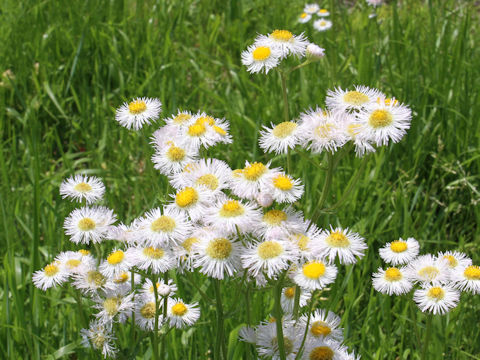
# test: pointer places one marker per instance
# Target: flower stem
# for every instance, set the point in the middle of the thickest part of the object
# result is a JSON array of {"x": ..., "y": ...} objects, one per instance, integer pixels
[
  {"x": 296, "y": 302},
  {"x": 132, "y": 335},
  {"x": 427, "y": 337},
  {"x": 310, "y": 309},
  {"x": 277, "y": 312},
  {"x": 164, "y": 318},
  {"x": 157, "y": 313},
  {"x": 220, "y": 343}
]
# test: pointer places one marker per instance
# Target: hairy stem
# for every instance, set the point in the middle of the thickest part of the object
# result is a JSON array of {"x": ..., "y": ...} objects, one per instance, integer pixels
[{"x": 277, "y": 312}]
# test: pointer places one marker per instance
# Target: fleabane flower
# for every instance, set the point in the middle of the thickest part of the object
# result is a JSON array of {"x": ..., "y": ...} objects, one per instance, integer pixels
[
  {"x": 321, "y": 349},
  {"x": 138, "y": 112},
  {"x": 315, "y": 274},
  {"x": 304, "y": 18},
  {"x": 314, "y": 52},
  {"x": 284, "y": 41},
  {"x": 261, "y": 58},
  {"x": 145, "y": 314},
  {"x": 400, "y": 251},
  {"x": 158, "y": 259},
  {"x": 311, "y": 8},
  {"x": 284, "y": 188},
  {"x": 173, "y": 157},
  {"x": 99, "y": 337},
  {"x": 267, "y": 341},
  {"x": 279, "y": 138},
  {"x": 339, "y": 100},
  {"x": 89, "y": 224},
  {"x": 306, "y": 239},
  {"x": 182, "y": 118},
  {"x": 437, "y": 299},
  {"x": 249, "y": 181},
  {"x": 74, "y": 262},
  {"x": 354, "y": 132},
  {"x": 455, "y": 259},
  {"x": 323, "y": 325},
  {"x": 427, "y": 269},
  {"x": 467, "y": 278},
  {"x": 287, "y": 299},
  {"x": 322, "y": 25},
  {"x": 323, "y": 13},
  {"x": 280, "y": 222},
  {"x": 180, "y": 314},
  {"x": 51, "y": 275},
  {"x": 91, "y": 281},
  {"x": 113, "y": 307},
  {"x": 345, "y": 244},
  {"x": 193, "y": 200},
  {"x": 81, "y": 187},
  {"x": 167, "y": 289},
  {"x": 117, "y": 262},
  {"x": 393, "y": 280}
]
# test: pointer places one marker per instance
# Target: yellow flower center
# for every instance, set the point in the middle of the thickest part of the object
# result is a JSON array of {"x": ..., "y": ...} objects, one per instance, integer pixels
[
  {"x": 313, "y": 270},
  {"x": 205, "y": 120},
  {"x": 152, "y": 290},
  {"x": 398, "y": 246},
  {"x": 196, "y": 130},
  {"x": 86, "y": 224},
  {"x": 393, "y": 274},
  {"x": 472, "y": 272},
  {"x": 323, "y": 23},
  {"x": 303, "y": 15},
  {"x": 116, "y": 257},
  {"x": 380, "y": 118},
  {"x": 283, "y": 183},
  {"x": 186, "y": 197},
  {"x": 73, "y": 263},
  {"x": 96, "y": 278},
  {"x": 175, "y": 153},
  {"x": 269, "y": 249},
  {"x": 153, "y": 253},
  {"x": 429, "y": 272},
  {"x": 210, "y": 181},
  {"x": 261, "y": 53},
  {"x": 320, "y": 328},
  {"x": 219, "y": 130},
  {"x": 148, "y": 310},
  {"x": 219, "y": 248},
  {"x": 436, "y": 293},
  {"x": 353, "y": 129},
  {"x": 302, "y": 241},
  {"x": 188, "y": 243},
  {"x": 254, "y": 171},
  {"x": 275, "y": 217},
  {"x": 179, "y": 309},
  {"x": 324, "y": 130},
  {"x": 452, "y": 262},
  {"x": 388, "y": 101},
  {"x": 287, "y": 343},
  {"x": 98, "y": 341},
  {"x": 111, "y": 305},
  {"x": 182, "y": 118},
  {"x": 321, "y": 353},
  {"x": 163, "y": 224},
  {"x": 83, "y": 187},
  {"x": 137, "y": 107},
  {"x": 281, "y": 35},
  {"x": 231, "y": 208},
  {"x": 323, "y": 11},
  {"x": 337, "y": 239},
  {"x": 123, "y": 278},
  {"x": 284, "y": 129},
  {"x": 84, "y": 252},
  {"x": 51, "y": 270},
  {"x": 355, "y": 98},
  {"x": 289, "y": 292}
]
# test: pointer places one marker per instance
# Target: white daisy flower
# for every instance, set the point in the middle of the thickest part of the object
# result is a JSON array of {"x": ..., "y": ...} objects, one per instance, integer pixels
[
  {"x": 173, "y": 157},
  {"x": 305, "y": 238},
  {"x": 284, "y": 188},
  {"x": 91, "y": 281},
  {"x": 353, "y": 130},
  {"x": 343, "y": 243},
  {"x": 157, "y": 259},
  {"x": 279, "y": 138},
  {"x": 269, "y": 256},
  {"x": 194, "y": 200},
  {"x": 199, "y": 133},
  {"x": 380, "y": 123},
  {"x": 249, "y": 181},
  {"x": 393, "y": 280},
  {"x": 181, "y": 315},
  {"x": 220, "y": 131},
  {"x": 287, "y": 299},
  {"x": 247, "y": 334},
  {"x": 314, "y": 52},
  {"x": 185, "y": 253},
  {"x": 122, "y": 283},
  {"x": 163, "y": 289},
  {"x": 89, "y": 224},
  {"x": 285, "y": 42},
  {"x": 217, "y": 256},
  {"x": 145, "y": 315},
  {"x": 467, "y": 278},
  {"x": 304, "y": 18},
  {"x": 261, "y": 58},
  {"x": 267, "y": 341},
  {"x": 113, "y": 308},
  {"x": 124, "y": 233},
  {"x": 232, "y": 215},
  {"x": 116, "y": 263},
  {"x": 374, "y": 3},
  {"x": 315, "y": 274},
  {"x": 322, "y": 25},
  {"x": 139, "y": 112},
  {"x": 51, "y": 275},
  {"x": 181, "y": 119},
  {"x": 427, "y": 269},
  {"x": 339, "y": 100},
  {"x": 321, "y": 349},
  {"x": 163, "y": 226},
  {"x": 99, "y": 337},
  {"x": 455, "y": 259},
  {"x": 311, "y": 8},
  {"x": 281, "y": 222},
  {"x": 82, "y": 187},
  {"x": 437, "y": 299},
  {"x": 74, "y": 262},
  {"x": 323, "y": 325},
  {"x": 400, "y": 252},
  {"x": 323, "y": 13}
]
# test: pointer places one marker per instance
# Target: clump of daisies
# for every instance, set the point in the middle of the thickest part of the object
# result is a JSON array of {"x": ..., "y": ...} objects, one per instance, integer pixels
[
  {"x": 322, "y": 23},
  {"x": 437, "y": 279}
]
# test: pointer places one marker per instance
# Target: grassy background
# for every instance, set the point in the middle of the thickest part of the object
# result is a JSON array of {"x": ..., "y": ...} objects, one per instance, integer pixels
[{"x": 76, "y": 61}]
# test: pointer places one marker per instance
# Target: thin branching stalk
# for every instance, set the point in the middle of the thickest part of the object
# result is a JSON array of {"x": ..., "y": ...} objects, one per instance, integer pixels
[
  {"x": 157, "y": 314},
  {"x": 296, "y": 303}
]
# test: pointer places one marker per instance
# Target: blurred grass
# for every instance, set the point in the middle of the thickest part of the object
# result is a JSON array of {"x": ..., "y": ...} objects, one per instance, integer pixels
[{"x": 74, "y": 62}]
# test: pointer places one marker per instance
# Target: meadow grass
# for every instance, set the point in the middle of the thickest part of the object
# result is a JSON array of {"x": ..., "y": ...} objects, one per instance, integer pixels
[{"x": 76, "y": 61}]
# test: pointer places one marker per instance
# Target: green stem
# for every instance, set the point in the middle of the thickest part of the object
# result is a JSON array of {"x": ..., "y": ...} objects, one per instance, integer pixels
[
  {"x": 305, "y": 63},
  {"x": 326, "y": 188},
  {"x": 413, "y": 315},
  {"x": 427, "y": 337},
  {"x": 220, "y": 343},
  {"x": 99, "y": 254},
  {"x": 277, "y": 312},
  {"x": 164, "y": 317},
  {"x": 132, "y": 335},
  {"x": 296, "y": 303},
  {"x": 155, "y": 329},
  {"x": 309, "y": 315}
]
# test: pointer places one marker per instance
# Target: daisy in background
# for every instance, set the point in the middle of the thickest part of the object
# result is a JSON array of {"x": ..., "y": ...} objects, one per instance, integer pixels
[
  {"x": 193, "y": 200},
  {"x": 339, "y": 100},
  {"x": 113, "y": 307},
  {"x": 74, "y": 262},
  {"x": 383, "y": 122},
  {"x": 427, "y": 269},
  {"x": 117, "y": 262},
  {"x": 91, "y": 281},
  {"x": 261, "y": 58},
  {"x": 304, "y": 18},
  {"x": 280, "y": 223},
  {"x": 285, "y": 42},
  {"x": 89, "y": 224},
  {"x": 455, "y": 259},
  {"x": 124, "y": 233},
  {"x": 288, "y": 299},
  {"x": 310, "y": 235},
  {"x": 322, "y": 25},
  {"x": 343, "y": 243},
  {"x": 284, "y": 188},
  {"x": 99, "y": 337},
  {"x": 181, "y": 315},
  {"x": 267, "y": 342},
  {"x": 323, "y": 13},
  {"x": 393, "y": 280},
  {"x": 467, "y": 278},
  {"x": 279, "y": 138},
  {"x": 82, "y": 187},
  {"x": 321, "y": 349},
  {"x": 122, "y": 283},
  {"x": 138, "y": 112},
  {"x": 51, "y": 275},
  {"x": 437, "y": 299},
  {"x": 157, "y": 259},
  {"x": 249, "y": 181},
  {"x": 374, "y": 3},
  {"x": 323, "y": 325},
  {"x": 400, "y": 252},
  {"x": 311, "y": 8},
  {"x": 315, "y": 275}
]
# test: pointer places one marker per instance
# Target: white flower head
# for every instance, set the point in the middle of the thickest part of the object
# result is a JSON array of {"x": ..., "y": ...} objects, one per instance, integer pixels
[
  {"x": 311, "y": 8},
  {"x": 74, "y": 262},
  {"x": 284, "y": 41},
  {"x": 51, "y": 275},
  {"x": 180, "y": 119},
  {"x": 117, "y": 262},
  {"x": 288, "y": 298},
  {"x": 400, "y": 252},
  {"x": 437, "y": 299},
  {"x": 322, "y": 24},
  {"x": 427, "y": 269},
  {"x": 167, "y": 289},
  {"x": 89, "y": 224},
  {"x": 467, "y": 278},
  {"x": 81, "y": 187},
  {"x": 343, "y": 243},
  {"x": 99, "y": 337},
  {"x": 323, "y": 13},
  {"x": 304, "y": 18},
  {"x": 323, "y": 325},
  {"x": 193, "y": 200},
  {"x": 314, "y": 52},
  {"x": 267, "y": 341},
  {"x": 261, "y": 58},
  {"x": 113, "y": 308},
  {"x": 145, "y": 314},
  {"x": 181, "y": 315},
  {"x": 315, "y": 274},
  {"x": 455, "y": 259},
  {"x": 284, "y": 188},
  {"x": 321, "y": 349},
  {"x": 279, "y": 138},
  {"x": 339, "y": 100},
  {"x": 251, "y": 180},
  {"x": 391, "y": 281},
  {"x": 157, "y": 259},
  {"x": 138, "y": 112},
  {"x": 306, "y": 239},
  {"x": 281, "y": 222}
]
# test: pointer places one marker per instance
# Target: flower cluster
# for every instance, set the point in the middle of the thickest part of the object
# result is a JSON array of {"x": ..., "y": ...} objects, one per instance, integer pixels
[
  {"x": 321, "y": 24},
  {"x": 440, "y": 277}
]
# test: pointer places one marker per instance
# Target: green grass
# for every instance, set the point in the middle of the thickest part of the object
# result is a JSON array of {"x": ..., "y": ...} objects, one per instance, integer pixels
[{"x": 57, "y": 118}]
